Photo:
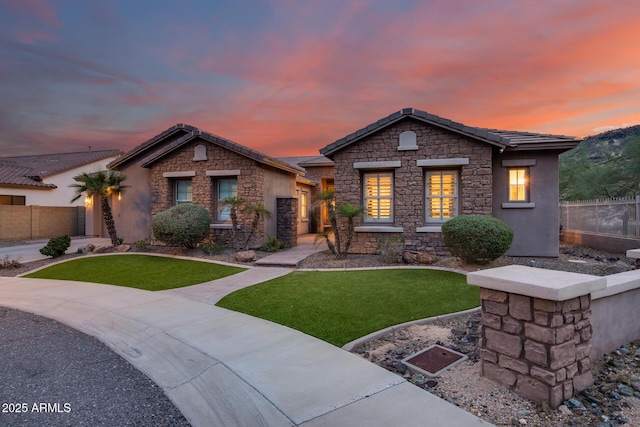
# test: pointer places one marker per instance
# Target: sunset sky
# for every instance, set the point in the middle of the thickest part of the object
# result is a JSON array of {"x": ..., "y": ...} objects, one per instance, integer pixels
[{"x": 289, "y": 77}]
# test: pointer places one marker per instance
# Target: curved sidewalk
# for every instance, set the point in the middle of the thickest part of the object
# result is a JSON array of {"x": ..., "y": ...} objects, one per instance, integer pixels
[{"x": 228, "y": 369}]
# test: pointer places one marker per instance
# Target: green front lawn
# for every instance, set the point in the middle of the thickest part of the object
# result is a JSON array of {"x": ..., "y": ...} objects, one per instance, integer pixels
[
  {"x": 152, "y": 273},
  {"x": 339, "y": 307}
]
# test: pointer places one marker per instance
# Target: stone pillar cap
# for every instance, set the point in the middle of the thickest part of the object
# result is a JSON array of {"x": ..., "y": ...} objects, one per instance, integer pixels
[{"x": 537, "y": 282}]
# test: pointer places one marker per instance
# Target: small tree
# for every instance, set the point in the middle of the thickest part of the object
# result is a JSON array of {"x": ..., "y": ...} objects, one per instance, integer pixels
[
  {"x": 102, "y": 184},
  {"x": 258, "y": 211},
  {"x": 185, "y": 225},
  {"x": 348, "y": 211}
]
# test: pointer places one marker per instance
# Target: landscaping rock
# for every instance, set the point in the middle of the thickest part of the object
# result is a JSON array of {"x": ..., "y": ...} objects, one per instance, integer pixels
[
  {"x": 86, "y": 249},
  {"x": 246, "y": 256},
  {"x": 427, "y": 257}
]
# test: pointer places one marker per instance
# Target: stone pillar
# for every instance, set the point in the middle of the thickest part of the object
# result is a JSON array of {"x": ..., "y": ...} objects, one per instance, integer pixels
[
  {"x": 536, "y": 331},
  {"x": 287, "y": 220}
]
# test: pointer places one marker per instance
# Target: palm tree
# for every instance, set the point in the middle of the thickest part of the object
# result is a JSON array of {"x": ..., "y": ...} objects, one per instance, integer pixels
[
  {"x": 101, "y": 184},
  {"x": 348, "y": 211},
  {"x": 234, "y": 205},
  {"x": 259, "y": 211}
]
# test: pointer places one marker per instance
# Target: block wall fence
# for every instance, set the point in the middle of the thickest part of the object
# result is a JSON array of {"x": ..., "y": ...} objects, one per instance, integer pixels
[{"x": 40, "y": 222}]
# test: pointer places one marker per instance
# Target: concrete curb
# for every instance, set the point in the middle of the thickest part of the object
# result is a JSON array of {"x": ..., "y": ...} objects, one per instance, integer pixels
[{"x": 362, "y": 340}]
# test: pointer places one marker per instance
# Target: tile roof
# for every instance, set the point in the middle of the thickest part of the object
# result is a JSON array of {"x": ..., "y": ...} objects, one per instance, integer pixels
[
  {"x": 32, "y": 170},
  {"x": 510, "y": 140},
  {"x": 306, "y": 161},
  {"x": 180, "y": 134},
  {"x": 176, "y": 131}
]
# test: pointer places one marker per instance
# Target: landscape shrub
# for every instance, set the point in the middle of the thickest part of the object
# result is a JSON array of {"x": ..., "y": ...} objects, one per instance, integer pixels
[
  {"x": 212, "y": 247},
  {"x": 272, "y": 245},
  {"x": 184, "y": 225},
  {"x": 9, "y": 263},
  {"x": 391, "y": 248},
  {"x": 477, "y": 238},
  {"x": 57, "y": 246}
]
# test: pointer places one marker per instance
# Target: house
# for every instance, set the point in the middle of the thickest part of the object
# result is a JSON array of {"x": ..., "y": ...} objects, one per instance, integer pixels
[
  {"x": 412, "y": 171},
  {"x": 35, "y": 192},
  {"x": 184, "y": 164}
]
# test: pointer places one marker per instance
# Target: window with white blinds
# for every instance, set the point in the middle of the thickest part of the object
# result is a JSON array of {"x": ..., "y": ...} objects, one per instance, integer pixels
[
  {"x": 378, "y": 196},
  {"x": 441, "y": 189}
]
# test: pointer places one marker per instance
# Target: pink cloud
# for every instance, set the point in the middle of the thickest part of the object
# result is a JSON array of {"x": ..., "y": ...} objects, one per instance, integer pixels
[{"x": 38, "y": 17}]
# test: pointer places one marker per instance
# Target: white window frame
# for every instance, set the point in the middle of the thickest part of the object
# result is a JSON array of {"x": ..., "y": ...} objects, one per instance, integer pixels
[
  {"x": 223, "y": 213},
  {"x": 455, "y": 196},
  {"x": 188, "y": 194},
  {"x": 522, "y": 195},
  {"x": 377, "y": 198}
]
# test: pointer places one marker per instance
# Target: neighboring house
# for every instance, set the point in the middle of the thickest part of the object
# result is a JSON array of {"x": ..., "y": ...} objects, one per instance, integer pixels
[
  {"x": 412, "y": 171},
  {"x": 44, "y": 181},
  {"x": 184, "y": 164}
]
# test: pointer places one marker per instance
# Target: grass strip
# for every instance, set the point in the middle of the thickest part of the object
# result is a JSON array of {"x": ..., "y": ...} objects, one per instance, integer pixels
[
  {"x": 152, "y": 273},
  {"x": 340, "y": 306}
]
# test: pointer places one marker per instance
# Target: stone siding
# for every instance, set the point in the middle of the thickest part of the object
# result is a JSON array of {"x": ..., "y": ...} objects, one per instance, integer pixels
[
  {"x": 539, "y": 348},
  {"x": 250, "y": 185},
  {"x": 475, "y": 186},
  {"x": 287, "y": 221}
]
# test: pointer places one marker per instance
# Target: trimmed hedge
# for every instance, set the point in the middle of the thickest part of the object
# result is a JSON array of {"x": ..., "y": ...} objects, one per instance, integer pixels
[
  {"x": 477, "y": 238},
  {"x": 184, "y": 225}
]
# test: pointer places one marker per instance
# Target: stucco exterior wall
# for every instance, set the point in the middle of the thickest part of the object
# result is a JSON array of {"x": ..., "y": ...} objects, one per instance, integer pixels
[
  {"x": 132, "y": 214},
  {"x": 475, "y": 180},
  {"x": 609, "y": 332},
  {"x": 536, "y": 223},
  {"x": 276, "y": 184}
]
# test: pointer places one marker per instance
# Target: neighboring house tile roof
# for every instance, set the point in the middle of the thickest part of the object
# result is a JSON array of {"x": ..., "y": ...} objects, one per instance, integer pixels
[
  {"x": 185, "y": 133},
  {"x": 511, "y": 140},
  {"x": 30, "y": 171},
  {"x": 306, "y": 161}
]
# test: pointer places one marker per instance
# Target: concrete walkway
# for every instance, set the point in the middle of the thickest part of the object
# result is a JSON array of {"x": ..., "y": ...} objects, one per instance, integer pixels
[
  {"x": 267, "y": 268},
  {"x": 213, "y": 291},
  {"x": 306, "y": 246}
]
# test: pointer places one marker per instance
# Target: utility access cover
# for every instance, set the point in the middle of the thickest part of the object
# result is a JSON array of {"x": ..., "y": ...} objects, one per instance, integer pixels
[{"x": 433, "y": 360}]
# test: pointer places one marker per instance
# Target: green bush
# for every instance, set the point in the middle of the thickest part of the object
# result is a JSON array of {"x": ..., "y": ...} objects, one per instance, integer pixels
[
  {"x": 213, "y": 247},
  {"x": 184, "y": 225},
  {"x": 57, "y": 246},
  {"x": 477, "y": 238}
]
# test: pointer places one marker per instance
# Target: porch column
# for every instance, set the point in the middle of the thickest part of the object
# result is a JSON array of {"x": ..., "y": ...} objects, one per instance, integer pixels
[{"x": 287, "y": 220}]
